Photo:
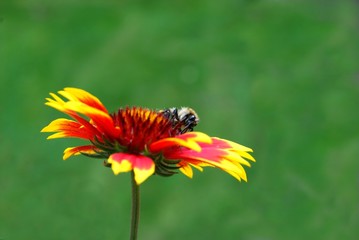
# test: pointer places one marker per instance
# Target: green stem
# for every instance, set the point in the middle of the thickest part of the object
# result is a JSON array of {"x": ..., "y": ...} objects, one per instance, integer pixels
[{"x": 135, "y": 207}]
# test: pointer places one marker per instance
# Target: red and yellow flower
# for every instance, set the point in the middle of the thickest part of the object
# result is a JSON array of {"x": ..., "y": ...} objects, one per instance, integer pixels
[{"x": 140, "y": 140}]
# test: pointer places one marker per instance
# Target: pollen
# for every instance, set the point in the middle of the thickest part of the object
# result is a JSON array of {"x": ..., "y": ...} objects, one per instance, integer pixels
[{"x": 139, "y": 127}]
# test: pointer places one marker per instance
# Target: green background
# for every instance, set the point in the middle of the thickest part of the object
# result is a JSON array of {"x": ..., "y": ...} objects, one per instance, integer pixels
[{"x": 278, "y": 76}]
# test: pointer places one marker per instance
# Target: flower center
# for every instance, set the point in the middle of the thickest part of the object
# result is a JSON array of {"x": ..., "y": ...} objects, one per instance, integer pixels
[{"x": 140, "y": 127}]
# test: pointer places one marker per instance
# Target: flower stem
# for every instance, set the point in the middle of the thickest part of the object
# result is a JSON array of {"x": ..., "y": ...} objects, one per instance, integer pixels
[{"x": 135, "y": 207}]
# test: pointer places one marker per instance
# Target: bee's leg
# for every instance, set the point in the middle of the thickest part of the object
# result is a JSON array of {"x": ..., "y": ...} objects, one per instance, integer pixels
[
  {"x": 175, "y": 114},
  {"x": 188, "y": 128}
]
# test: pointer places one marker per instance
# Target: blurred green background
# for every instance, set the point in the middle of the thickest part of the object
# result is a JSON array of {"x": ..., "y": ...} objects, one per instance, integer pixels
[{"x": 279, "y": 76}]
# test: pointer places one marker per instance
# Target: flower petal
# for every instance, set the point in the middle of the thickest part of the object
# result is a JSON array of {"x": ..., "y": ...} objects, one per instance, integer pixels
[
  {"x": 220, "y": 153},
  {"x": 142, "y": 166},
  {"x": 121, "y": 162},
  {"x": 189, "y": 140},
  {"x": 223, "y": 143},
  {"x": 76, "y": 94},
  {"x": 102, "y": 120},
  {"x": 80, "y": 101},
  {"x": 67, "y": 128},
  {"x": 71, "y": 151},
  {"x": 186, "y": 170}
]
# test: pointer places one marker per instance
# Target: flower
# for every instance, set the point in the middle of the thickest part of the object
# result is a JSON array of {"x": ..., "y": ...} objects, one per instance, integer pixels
[{"x": 139, "y": 139}]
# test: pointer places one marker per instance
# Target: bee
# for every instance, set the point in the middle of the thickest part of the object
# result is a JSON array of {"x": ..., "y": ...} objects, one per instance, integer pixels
[{"x": 184, "y": 119}]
